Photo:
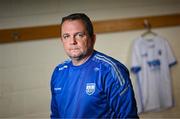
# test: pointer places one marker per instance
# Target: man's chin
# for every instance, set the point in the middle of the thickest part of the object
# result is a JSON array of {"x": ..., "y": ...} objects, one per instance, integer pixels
[{"x": 76, "y": 57}]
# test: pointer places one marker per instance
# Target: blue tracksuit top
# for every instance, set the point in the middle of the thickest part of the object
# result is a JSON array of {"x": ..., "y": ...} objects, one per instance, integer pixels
[{"x": 99, "y": 88}]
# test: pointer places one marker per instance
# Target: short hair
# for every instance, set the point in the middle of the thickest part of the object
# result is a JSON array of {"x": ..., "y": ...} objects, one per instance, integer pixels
[{"x": 81, "y": 16}]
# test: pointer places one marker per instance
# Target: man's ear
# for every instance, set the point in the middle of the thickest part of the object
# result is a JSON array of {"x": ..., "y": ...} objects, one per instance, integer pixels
[{"x": 94, "y": 39}]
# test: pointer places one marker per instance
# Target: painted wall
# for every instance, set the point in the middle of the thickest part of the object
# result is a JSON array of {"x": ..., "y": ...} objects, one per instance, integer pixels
[{"x": 26, "y": 67}]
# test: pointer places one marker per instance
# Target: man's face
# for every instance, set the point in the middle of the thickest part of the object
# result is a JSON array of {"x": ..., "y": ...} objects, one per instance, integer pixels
[{"x": 76, "y": 41}]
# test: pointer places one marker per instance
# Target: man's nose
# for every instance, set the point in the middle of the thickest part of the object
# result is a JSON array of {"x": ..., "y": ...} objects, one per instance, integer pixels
[{"x": 73, "y": 40}]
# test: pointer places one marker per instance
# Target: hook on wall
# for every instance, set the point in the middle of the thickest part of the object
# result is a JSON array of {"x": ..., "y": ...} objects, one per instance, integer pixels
[
  {"x": 16, "y": 35},
  {"x": 148, "y": 31},
  {"x": 147, "y": 24}
]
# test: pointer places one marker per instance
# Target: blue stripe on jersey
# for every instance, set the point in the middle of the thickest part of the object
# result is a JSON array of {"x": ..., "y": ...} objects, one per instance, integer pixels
[
  {"x": 173, "y": 63},
  {"x": 113, "y": 65}
]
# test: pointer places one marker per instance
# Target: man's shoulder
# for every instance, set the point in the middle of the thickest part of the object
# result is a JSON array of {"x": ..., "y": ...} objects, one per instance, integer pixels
[
  {"x": 107, "y": 60},
  {"x": 63, "y": 64},
  {"x": 113, "y": 67},
  {"x": 59, "y": 68}
]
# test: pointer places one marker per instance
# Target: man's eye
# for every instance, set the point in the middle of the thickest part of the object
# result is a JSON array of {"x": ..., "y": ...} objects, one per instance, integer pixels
[
  {"x": 66, "y": 36},
  {"x": 79, "y": 35}
]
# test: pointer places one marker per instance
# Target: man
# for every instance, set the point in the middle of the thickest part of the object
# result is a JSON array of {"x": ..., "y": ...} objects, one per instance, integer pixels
[{"x": 90, "y": 84}]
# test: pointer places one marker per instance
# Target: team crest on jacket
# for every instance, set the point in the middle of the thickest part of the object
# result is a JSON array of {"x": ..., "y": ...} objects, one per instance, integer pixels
[{"x": 90, "y": 88}]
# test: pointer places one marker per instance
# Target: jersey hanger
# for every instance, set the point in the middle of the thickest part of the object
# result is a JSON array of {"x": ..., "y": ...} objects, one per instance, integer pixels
[{"x": 148, "y": 33}]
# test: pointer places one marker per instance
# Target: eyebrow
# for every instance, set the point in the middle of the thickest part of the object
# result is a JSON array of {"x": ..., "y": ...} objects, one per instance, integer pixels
[
  {"x": 74, "y": 33},
  {"x": 65, "y": 34}
]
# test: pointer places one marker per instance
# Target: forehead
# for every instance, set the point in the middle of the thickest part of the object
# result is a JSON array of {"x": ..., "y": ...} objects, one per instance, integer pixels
[{"x": 70, "y": 25}]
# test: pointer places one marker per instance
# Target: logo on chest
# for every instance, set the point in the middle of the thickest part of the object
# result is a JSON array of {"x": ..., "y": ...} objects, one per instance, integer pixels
[{"x": 90, "y": 88}]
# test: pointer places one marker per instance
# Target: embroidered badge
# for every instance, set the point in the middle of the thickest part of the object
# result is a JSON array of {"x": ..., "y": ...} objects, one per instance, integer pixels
[{"x": 90, "y": 88}]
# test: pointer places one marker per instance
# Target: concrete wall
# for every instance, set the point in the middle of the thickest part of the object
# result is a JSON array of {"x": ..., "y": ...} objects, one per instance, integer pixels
[{"x": 26, "y": 67}]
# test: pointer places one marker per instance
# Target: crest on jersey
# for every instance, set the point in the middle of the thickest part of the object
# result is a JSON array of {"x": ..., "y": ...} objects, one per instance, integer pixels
[{"x": 90, "y": 88}]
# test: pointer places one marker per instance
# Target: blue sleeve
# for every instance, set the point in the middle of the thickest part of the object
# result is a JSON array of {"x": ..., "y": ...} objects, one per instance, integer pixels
[
  {"x": 54, "y": 107},
  {"x": 135, "y": 70},
  {"x": 120, "y": 93}
]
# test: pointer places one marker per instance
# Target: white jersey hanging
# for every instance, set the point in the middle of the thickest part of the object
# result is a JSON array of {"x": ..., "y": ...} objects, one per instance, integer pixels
[{"x": 151, "y": 62}]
